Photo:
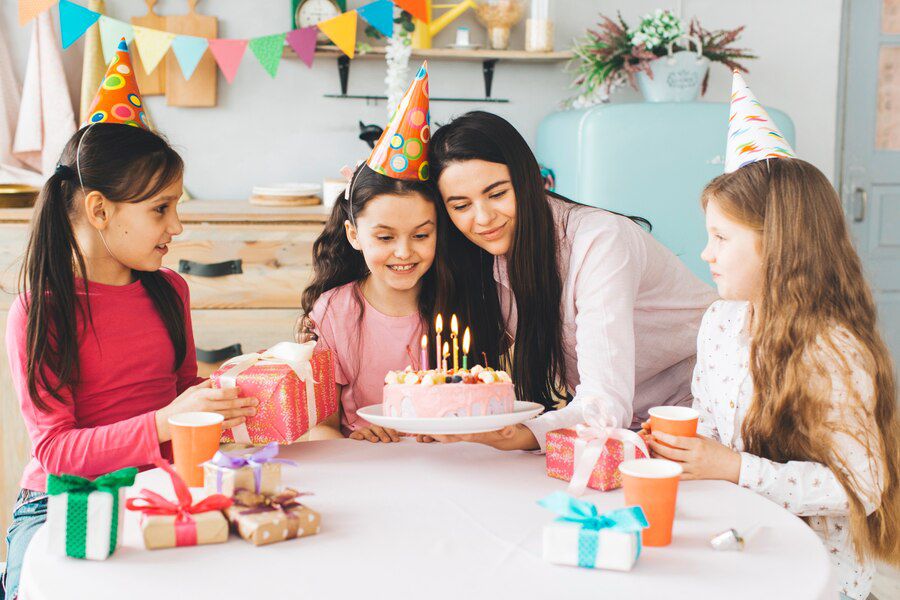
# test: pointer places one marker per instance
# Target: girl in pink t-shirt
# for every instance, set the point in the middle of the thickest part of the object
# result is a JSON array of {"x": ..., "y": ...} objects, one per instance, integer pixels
[
  {"x": 100, "y": 348},
  {"x": 373, "y": 294}
]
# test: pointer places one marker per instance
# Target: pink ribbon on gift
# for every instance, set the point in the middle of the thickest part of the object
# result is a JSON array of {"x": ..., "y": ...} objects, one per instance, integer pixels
[
  {"x": 591, "y": 444},
  {"x": 151, "y": 503},
  {"x": 296, "y": 356}
]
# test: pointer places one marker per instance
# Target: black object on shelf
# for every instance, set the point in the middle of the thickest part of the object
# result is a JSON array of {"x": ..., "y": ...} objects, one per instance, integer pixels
[{"x": 369, "y": 133}]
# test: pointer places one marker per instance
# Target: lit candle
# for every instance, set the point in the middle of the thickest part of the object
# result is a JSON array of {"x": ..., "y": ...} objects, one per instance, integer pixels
[
  {"x": 446, "y": 354},
  {"x": 467, "y": 340},
  {"x": 423, "y": 359},
  {"x": 454, "y": 336},
  {"x": 438, "y": 327}
]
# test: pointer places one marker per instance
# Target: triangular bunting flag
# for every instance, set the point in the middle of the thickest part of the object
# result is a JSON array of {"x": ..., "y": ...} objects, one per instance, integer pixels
[
  {"x": 342, "y": 31},
  {"x": 417, "y": 8},
  {"x": 29, "y": 9},
  {"x": 268, "y": 51},
  {"x": 303, "y": 41},
  {"x": 380, "y": 15},
  {"x": 152, "y": 45},
  {"x": 189, "y": 50},
  {"x": 228, "y": 55},
  {"x": 111, "y": 31},
  {"x": 74, "y": 20}
]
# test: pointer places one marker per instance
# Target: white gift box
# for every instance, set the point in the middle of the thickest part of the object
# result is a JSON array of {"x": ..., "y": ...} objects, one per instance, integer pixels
[
  {"x": 566, "y": 542},
  {"x": 99, "y": 523}
]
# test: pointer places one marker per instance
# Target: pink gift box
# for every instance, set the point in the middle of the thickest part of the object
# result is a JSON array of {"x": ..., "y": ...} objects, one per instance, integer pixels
[
  {"x": 283, "y": 414},
  {"x": 605, "y": 474}
]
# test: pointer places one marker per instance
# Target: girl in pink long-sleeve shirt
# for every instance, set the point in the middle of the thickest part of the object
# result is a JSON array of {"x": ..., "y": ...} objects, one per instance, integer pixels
[{"x": 100, "y": 348}]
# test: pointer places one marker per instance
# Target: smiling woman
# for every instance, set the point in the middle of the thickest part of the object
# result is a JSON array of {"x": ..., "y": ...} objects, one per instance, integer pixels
[{"x": 598, "y": 310}]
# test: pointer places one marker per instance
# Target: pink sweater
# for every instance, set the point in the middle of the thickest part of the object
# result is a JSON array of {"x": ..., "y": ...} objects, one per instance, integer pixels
[
  {"x": 108, "y": 421},
  {"x": 365, "y": 348},
  {"x": 631, "y": 311}
]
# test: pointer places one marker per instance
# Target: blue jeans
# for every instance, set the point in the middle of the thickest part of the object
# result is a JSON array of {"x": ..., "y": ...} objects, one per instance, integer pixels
[{"x": 29, "y": 514}]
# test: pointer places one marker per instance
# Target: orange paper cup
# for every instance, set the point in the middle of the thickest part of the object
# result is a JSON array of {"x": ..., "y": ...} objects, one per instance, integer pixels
[
  {"x": 674, "y": 420},
  {"x": 195, "y": 439},
  {"x": 652, "y": 484}
]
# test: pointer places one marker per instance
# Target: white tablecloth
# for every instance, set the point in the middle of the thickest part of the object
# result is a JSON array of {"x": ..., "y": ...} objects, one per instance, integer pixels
[{"x": 445, "y": 521}]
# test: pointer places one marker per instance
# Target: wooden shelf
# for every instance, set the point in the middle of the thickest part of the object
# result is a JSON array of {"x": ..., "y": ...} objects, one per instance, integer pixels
[
  {"x": 449, "y": 54},
  {"x": 487, "y": 58}
]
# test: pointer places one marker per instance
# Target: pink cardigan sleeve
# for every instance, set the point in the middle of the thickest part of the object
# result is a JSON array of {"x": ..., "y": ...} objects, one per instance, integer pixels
[{"x": 59, "y": 445}]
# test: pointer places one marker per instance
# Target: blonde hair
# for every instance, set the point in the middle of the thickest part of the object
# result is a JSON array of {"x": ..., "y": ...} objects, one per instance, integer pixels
[{"x": 813, "y": 288}]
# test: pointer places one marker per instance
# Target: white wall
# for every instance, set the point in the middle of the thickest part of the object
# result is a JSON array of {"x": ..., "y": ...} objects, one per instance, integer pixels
[{"x": 266, "y": 130}]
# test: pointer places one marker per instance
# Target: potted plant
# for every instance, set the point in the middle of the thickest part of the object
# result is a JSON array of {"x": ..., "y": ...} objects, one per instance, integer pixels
[{"x": 662, "y": 58}]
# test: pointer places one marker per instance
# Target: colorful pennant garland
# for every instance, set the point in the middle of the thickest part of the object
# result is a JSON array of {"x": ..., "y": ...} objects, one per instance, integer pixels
[{"x": 153, "y": 44}]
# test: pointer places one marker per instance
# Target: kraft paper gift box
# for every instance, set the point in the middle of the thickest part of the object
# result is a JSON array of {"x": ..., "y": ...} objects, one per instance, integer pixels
[
  {"x": 581, "y": 537},
  {"x": 295, "y": 388},
  {"x": 258, "y": 470},
  {"x": 265, "y": 519},
  {"x": 598, "y": 457},
  {"x": 167, "y": 524},
  {"x": 85, "y": 517}
]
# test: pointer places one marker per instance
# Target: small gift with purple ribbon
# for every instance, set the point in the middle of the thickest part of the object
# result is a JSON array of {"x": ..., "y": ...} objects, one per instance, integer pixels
[
  {"x": 268, "y": 518},
  {"x": 258, "y": 470}
]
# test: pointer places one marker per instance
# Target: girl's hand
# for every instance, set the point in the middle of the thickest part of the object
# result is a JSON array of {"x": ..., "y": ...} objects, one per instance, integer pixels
[
  {"x": 700, "y": 457},
  {"x": 204, "y": 398},
  {"x": 513, "y": 437},
  {"x": 376, "y": 434}
]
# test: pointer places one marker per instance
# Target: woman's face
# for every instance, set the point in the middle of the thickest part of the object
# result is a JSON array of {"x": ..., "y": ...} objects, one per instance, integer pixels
[{"x": 481, "y": 203}]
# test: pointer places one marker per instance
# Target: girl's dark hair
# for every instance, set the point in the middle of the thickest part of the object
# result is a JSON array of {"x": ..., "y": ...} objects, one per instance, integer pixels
[
  {"x": 125, "y": 164},
  {"x": 336, "y": 262},
  {"x": 538, "y": 363}
]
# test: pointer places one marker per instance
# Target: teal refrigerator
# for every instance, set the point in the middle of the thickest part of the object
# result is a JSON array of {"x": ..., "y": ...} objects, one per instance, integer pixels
[{"x": 646, "y": 159}]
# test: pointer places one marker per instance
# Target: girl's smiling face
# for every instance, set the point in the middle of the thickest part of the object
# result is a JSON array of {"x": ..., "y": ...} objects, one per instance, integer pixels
[
  {"x": 733, "y": 252},
  {"x": 397, "y": 237}
]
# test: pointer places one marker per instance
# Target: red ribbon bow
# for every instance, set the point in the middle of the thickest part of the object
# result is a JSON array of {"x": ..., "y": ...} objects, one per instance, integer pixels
[{"x": 151, "y": 503}]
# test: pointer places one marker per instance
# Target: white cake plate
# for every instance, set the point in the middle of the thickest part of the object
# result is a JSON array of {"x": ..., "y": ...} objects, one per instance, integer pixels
[{"x": 522, "y": 411}]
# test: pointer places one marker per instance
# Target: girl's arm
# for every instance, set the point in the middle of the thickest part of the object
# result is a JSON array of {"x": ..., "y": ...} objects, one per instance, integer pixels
[
  {"x": 607, "y": 281},
  {"x": 330, "y": 428},
  {"x": 58, "y": 444},
  {"x": 809, "y": 488}
]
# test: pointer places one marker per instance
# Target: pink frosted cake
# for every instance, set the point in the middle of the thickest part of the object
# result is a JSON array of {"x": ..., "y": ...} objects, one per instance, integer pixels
[{"x": 435, "y": 394}]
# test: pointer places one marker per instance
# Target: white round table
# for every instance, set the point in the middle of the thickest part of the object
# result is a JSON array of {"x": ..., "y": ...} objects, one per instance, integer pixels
[{"x": 445, "y": 521}]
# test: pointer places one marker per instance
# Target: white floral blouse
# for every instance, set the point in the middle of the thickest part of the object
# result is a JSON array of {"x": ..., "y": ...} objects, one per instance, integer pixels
[{"x": 723, "y": 390}]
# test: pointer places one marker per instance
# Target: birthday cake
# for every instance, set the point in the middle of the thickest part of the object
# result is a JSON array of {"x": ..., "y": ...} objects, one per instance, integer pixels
[{"x": 436, "y": 394}]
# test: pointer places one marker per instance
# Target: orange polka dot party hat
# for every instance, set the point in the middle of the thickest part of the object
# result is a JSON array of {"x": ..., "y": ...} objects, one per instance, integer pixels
[
  {"x": 119, "y": 100},
  {"x": 402, "y": 150}
]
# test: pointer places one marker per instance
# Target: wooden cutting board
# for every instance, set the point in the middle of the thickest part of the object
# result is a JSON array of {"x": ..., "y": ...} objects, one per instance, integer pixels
[
  {"x": 153, "y": 84},
  {"x": 200, "y": 90}
]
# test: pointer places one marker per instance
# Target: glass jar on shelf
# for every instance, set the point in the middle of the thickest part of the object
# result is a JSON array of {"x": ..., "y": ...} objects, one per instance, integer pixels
[
  {"x": 539, "y": 27},
  {"x": 499, "y": 16}
]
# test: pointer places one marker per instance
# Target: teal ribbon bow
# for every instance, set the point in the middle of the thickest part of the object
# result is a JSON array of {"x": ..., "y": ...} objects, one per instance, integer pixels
[
  {"x": 572, "y": 510},
  {"x": 78, "y": 490}
]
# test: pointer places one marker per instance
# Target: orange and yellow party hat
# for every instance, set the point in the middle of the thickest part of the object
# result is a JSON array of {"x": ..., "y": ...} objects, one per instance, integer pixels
[
  {"x": 119, "y": 100},
  {"x": 402, "y": 150}
]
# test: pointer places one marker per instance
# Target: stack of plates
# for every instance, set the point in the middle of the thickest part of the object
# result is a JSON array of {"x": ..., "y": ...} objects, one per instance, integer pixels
[
  {"x": 287, "y": 194},
  {"x": 16, "y": 195}
]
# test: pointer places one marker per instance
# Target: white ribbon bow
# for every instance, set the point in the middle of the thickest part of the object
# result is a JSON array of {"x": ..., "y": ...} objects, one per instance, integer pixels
[
  {"x": 591, "y": 444},
  {"x": 296, "y": 356}
]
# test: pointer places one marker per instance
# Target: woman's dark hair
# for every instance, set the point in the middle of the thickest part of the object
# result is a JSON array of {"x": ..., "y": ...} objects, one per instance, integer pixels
[
  {"x": 125, "y": 164},
  {"x": 538, "y": 366},
  {"x": 336, "y": 262}
]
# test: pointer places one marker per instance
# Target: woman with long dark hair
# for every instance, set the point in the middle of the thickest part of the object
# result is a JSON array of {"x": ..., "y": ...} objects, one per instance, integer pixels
[{"x": 579, "y": 301}]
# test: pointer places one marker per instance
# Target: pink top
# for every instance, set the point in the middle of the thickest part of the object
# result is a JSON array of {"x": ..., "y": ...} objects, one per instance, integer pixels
[
  {"x": 631, "y": 312},
  {"x": 108, "y": 421},
  {"x": 366, "y": 346}
]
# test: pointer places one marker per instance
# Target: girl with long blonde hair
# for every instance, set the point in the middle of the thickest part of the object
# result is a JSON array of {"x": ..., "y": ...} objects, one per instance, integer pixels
[{"x": 793, "y": 383}]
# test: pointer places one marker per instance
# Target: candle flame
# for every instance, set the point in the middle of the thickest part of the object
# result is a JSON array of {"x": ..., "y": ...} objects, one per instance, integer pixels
[
  {"x": 454, "y": 326},
  {"x": 424, "y": 342},
  {"x": 446, "y": 349},
  {"x": 467, "y": 339},
  {"x": 439, "y": 323}
]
